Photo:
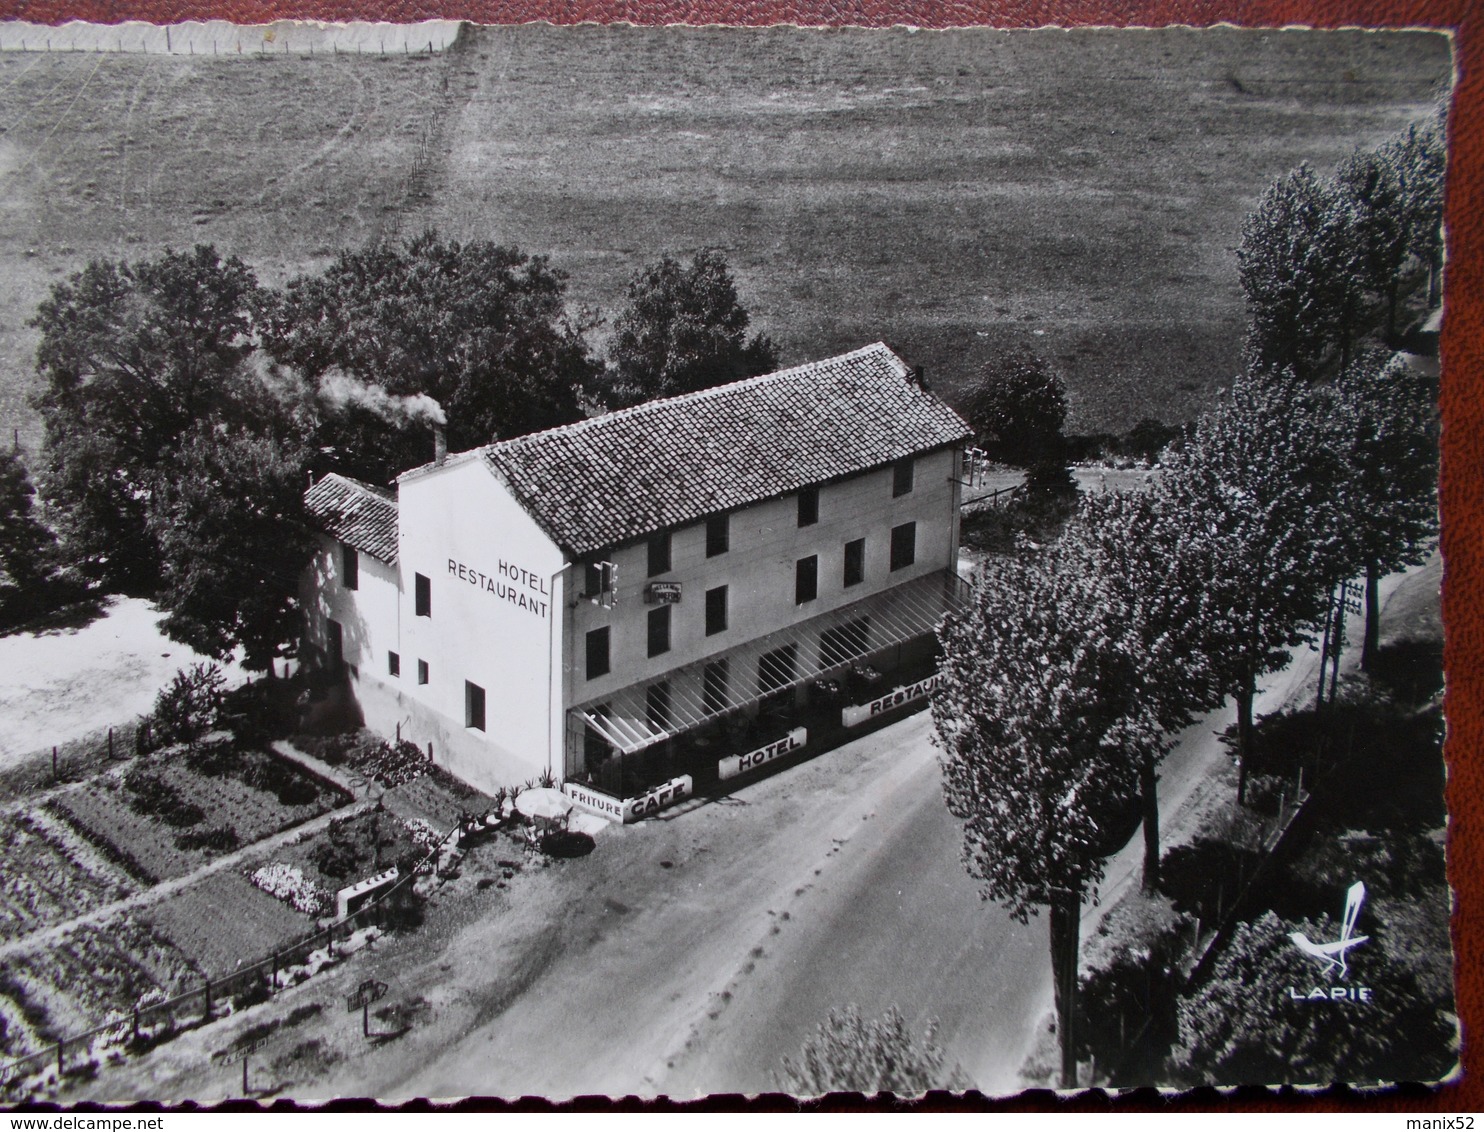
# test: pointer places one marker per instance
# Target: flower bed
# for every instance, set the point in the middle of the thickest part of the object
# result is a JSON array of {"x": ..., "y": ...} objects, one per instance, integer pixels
[
  {"x": 338, "y": 856},
  {"x": 51, "y": 874},
  {"x": 437, "y": 797},
  {"x": 287, "y": 883}
]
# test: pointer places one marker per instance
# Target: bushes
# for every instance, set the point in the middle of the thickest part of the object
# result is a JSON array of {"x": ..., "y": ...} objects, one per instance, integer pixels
[
  {"x": 217, "y": 839},
  {"x": 190, "y": 706},
  {"x": 151, "y": 795}
]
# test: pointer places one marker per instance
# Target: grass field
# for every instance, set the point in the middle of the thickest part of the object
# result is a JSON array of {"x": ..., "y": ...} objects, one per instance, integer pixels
[{"x": 1080, "y": 192}]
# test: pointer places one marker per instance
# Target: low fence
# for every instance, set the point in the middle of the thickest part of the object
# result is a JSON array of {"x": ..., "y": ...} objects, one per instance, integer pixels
[
  {"x": 75, "y": 759},
  {"x": 150, "y": 1023}
]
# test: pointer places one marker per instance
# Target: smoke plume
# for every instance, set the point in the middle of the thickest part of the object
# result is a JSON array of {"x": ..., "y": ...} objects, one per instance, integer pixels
[{"x": 340, "y": 389}]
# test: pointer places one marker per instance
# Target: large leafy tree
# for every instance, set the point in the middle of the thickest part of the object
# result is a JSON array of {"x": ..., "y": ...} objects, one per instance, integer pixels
[
  {"x": 848, "y": 1053},
  {"x": 481, "y": 328},
  {"x": 1302, "y": 275},
  {"x": 1370, "y": 186},
  {"x": 1036, "y": 715},
  {"x": 27, "y": 546},
  {"x": 233, "y": 541},
  {"x": 1149, "y": 573},
  {"x": 1258, "y": 490},
  {"x": 131, "y": 356},
  {"x": 1419, "y": 158},
  {"x": 1017, "y": 407},
  {"x": 683, "y": 328},
  {"x": 1387, "y": 414}
]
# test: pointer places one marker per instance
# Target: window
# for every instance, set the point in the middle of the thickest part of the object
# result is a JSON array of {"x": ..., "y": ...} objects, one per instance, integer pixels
[
  {"x": 350, "y": 567},
  {"x": 808, "y": 506},
  {"x": 855, "y": 562},
  {"x": 659, "y": 630},
  {"x": 776, "y": 669},
  {"x": 715, "y": 682},
  {"x": 806, "y": 579},
  {"x": 844, "y": 642},
  {"x": 903, "y": 545},
  {"x": 422, "y": 672},
  {"x": 716, "y": 611},
  {"x": 901, "y": 477},
  {"x": 473, "y": 706},
  {"x": 657, "y": 706},
  {"x": 335, "y": 641},
  {"x": 659, "y": 554},
  {"x": 423, "y": 596},
  {"x": 393, "y": 664},
  {"x": 597, "y": 653},
  {"x": 718, "y": 535}
]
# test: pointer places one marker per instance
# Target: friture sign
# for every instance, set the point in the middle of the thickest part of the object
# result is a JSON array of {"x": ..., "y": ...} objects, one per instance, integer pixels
[
  {"x": 662, "y": 593},
  {"x": 855, "y": 716},
  {"x": 652, "y": 801},
  {"x": 733, "y": 765}
]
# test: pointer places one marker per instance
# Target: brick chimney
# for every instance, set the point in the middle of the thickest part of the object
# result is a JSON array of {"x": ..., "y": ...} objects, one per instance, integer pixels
[{"x": 440, "y": 445}]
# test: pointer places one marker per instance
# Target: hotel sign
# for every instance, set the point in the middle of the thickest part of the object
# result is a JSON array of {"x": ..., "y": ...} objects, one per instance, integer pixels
[
  {"x": 855, "y": 716},
  {"x": 631, "y": 809},
  {"x": 733, "y": 765},
  {"x": 662, "y": 593}
]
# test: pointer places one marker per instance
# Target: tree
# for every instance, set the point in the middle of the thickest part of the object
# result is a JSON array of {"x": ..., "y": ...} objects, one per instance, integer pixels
[
  {"x": 480, "y": 327},
  {"x": 683, "y": 329},
  {"x": 851, "y": 1054},
  {"x": 1371, "y": 188},
  {"x": 1017, "y": 407},
  {"x": 1150, "y": 577},
  {"x": 1388, "y": 414},
  {"x": 233, "y": 541},
  {"x": 1420, "y": 156},
  {"x": 131, "y": 357},
  {"x": 1257, "y": 491},
  {"x": 1242, "y": 1026},
  {"x": 1036, "y": 715},
  {"x": 27, "y": 546},
  {"x": 1301, "y": 275}
]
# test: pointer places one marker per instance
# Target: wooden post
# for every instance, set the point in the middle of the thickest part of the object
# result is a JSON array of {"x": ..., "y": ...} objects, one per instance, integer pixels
[
  {"x": 135, "y": 1033},
  {"x": 430, "y": 750},
  {"x": 61, "y": 1046},
  {"x": 244, "y": 1074},
  {"x": 206, "y": 999},
  {"x": 366, "y": 1018},
  {"x": 167, "y": 39},
  {"x": 54, "y": 764},
  {"x": 110, "y": 744}
]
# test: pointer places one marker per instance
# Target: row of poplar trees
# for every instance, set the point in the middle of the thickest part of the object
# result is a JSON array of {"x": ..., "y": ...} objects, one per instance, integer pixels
[{"x": 1068, "y": 675}]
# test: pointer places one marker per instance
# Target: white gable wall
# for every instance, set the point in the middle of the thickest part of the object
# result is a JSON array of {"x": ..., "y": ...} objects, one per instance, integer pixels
[{"x": 496, "y": 619}]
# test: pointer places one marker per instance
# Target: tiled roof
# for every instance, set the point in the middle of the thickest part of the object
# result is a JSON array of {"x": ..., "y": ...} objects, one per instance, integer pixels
[
  {"x": 356, "y": 513},
  {"x": 615, "y": 478}
]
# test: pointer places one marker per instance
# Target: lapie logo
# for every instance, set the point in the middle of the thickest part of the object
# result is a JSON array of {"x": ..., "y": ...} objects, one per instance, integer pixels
[{"x": 1334, "y": 955}]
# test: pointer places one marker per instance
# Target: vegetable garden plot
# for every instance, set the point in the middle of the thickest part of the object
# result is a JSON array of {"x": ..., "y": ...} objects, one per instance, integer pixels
[
  {"x": 98, "y": 972},
  {"x": 438, "y": 797},
  {"x": 225, "y": 919},
  {"x": 192, "y": 813},
  {"x": 51, "y": 874},
  {"x": 344, "y": 851}
]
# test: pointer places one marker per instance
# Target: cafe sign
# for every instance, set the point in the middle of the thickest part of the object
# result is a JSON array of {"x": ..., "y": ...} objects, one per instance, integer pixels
[
  {"x": 634, "y": 809},
  {"x": 856, "y": 715},
  {"x": 733, "y": 765}
]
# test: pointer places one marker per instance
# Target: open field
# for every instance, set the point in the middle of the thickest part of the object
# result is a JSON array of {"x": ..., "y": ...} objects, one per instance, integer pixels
[{"x": 1079, "y": 192}]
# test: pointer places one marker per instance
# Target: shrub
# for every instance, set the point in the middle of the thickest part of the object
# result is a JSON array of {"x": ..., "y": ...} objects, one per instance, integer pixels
[
  {"x": 151, "y": 795},
  {"x": 217, "y": 839},
  {"x": 189, "y": 706},
  {"x": 850, "y": 1054}
]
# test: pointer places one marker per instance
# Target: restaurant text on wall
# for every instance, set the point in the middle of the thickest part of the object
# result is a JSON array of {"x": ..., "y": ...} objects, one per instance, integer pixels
[{"x": 510, "y": 583}]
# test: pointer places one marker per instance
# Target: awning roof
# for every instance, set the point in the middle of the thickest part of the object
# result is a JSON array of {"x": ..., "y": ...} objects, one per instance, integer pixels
[{"x": 899, "y": 614}]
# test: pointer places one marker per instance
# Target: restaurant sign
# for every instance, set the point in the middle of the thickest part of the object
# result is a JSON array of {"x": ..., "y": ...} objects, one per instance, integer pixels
[
  {"x": 856, "y": 715},
  {"x": 662, "y": 593},
  {"x": 733, "y": 765},
  {"x": 651, "y": 802}
]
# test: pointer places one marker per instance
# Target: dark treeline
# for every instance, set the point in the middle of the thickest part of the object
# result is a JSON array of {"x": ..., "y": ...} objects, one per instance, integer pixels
[{"x": 185, "y": 404}]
